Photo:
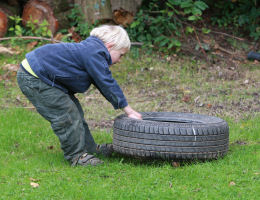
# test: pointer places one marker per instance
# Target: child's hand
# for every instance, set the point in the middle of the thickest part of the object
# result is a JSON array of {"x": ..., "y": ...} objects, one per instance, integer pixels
[{"x": 132, "y": 113}]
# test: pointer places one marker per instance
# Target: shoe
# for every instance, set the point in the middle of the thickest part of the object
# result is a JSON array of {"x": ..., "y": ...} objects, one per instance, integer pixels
[
  {"x": 87, "y": 159},
  {"x": 105, "y": 149}
]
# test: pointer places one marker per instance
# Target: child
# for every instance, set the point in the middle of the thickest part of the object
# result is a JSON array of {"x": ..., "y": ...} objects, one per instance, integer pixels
[{"x": 50, "y": 75}]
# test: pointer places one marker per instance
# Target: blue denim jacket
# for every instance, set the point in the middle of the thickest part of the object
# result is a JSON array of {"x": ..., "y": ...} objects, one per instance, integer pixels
[{"x": 73, "y": 67}]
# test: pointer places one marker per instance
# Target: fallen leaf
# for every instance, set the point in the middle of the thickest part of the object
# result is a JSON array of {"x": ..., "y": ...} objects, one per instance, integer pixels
[
  {"x": 50, "y": 147},
  {"x": 196, "y": 99},
  {"x": 11, "y": 67},
  {"x": 5, "y": 50},
  {"x": 232, "y": 183},
  {"x": 34, "y": 180},
  {"x": 31, "y": 45},
  {"x": 246, "y": 81},
  {"x": 76, "y": 37},
  {"x": 201, "y": 105},
  {"x": 170, "y": 184},
  {"x": 186, "y": 98},
  {"x": 209, "y": 105},
  {"x": 34, "y": 185},
  {"x": 176, "y": 164},
  {"x": 58, "y": 36}
]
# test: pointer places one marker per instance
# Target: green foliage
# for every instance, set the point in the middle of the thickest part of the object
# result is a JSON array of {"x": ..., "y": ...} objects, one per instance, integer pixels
[
  {"x": 159, "y": 25},
  {"x": 240, "y": 14},
  {"x": 32, "y": 28},
  {"x": 76, "y": 18},
  {"x": 16, "y": 28}
]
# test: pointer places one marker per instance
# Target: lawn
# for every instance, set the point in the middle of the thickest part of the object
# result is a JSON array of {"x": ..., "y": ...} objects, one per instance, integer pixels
[{"x": 32, "y": 165}]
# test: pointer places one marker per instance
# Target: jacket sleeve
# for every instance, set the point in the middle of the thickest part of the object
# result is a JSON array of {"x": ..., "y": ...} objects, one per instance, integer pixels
[{"x": 97, "y": 67}]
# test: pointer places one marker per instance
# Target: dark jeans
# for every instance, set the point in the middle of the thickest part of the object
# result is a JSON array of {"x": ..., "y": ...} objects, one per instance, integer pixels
[{"x": 63, "y": 111}]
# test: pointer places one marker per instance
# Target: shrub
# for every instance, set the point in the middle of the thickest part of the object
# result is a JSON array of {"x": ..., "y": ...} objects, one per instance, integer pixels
[{"x": 241, "y": 15}]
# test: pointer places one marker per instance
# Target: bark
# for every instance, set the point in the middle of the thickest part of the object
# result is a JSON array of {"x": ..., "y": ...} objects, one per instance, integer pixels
[
  {"x": 6, "y": 10},
  {"x": 95, "y": 10},
  {"x": 130, "y": 6},
  {"x": 36, "y": 10},
  {"x": 3, "y": 23},
  {"x": 61, "y": 8},
  {"x": 124, "y": 11},
  {"x": 13, "y": 2}
]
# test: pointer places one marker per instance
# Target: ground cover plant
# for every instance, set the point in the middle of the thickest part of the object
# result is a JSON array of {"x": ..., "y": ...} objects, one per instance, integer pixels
[{"x": 32, "y": 164}]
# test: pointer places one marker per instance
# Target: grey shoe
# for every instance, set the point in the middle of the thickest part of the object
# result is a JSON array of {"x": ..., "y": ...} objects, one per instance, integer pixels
[
  {"x": 87, "y": 159},
  {"x": 105, "y": 149}
]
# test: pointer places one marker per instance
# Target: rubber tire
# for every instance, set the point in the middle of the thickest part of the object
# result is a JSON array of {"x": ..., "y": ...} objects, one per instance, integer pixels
[{"x": 171, "y": 135}]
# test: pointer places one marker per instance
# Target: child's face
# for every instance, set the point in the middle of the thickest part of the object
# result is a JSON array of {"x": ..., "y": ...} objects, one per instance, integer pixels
[{"x": 116, "y": 55}]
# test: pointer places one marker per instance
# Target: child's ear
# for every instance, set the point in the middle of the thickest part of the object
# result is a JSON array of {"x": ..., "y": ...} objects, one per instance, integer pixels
[{"x": 109, "y": 46}]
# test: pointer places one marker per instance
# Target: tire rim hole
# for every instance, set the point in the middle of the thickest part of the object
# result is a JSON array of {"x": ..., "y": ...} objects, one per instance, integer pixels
[{"x": 171, "y": 120}]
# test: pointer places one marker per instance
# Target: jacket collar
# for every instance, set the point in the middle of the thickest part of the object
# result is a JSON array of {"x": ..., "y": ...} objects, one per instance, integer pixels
[{"x": 107, "y": 54}]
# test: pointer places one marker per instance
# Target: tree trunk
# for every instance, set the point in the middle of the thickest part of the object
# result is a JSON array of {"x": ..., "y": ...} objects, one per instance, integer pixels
[
  {"x": 124, "y": 10},
  {"x": 95, "y": 10}
]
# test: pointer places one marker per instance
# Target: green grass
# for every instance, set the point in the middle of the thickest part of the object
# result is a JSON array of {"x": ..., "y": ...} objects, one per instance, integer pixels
[{"x": 30, "y": 153}]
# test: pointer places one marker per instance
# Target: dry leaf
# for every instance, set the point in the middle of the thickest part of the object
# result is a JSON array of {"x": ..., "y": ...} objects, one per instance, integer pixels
[
  {"x": 246, "y": 81},
  {"x": 170, "y": 184},
  {"x": 196, "y": 99},
  {"x": 31, "y": 45},
  {"x": 50, "y": 147},
  {"x": 209, "y": 105},
  {"x": 176, "y": 164},
  {"x": 232, "y": 183},
  {"x": 58, "y": 36},
  {"x": 6, "y": 50},
  {"x": 34, "y": 185},
  {"x": 186, "y": 98},
  {"x": 34, "y": 180},
  {"x": 11, "y": 67}
]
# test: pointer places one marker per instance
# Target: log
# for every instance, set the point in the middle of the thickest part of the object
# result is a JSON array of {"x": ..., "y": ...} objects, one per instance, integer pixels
[
  {"x": 40, "y": 11},
  {"x": 61, "y": 8},
  {"x": 124, "y": 11},
  {"x": 13, "y": 2},
  {"x": 6, "y": 10},
  {"x": 3, "y": 23},
  {"x": 94, "y": 10}
]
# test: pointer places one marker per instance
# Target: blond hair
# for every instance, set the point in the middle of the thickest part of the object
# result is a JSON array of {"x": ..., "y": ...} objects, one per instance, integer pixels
[{"x": 115, "y": 35}]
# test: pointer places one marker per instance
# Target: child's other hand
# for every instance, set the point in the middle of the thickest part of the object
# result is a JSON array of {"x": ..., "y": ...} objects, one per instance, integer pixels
[{"x": 131, "y": 113}]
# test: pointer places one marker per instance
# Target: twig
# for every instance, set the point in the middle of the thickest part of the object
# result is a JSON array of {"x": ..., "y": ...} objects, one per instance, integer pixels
[
  {"x": 241, "y": 39},
  {"x": 198, "y": 29},
  {"x": 216, "y": 32},
  {"x": 224, "y": 50},
  {"x": 203, "y": 51},
  {"x": 30, "y": 37},
  {"x": 52, "y": 40},
  {"x": 137, "y": 43}
]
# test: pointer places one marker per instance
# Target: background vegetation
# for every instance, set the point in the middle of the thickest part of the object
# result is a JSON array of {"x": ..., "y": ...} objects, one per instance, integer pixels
[
  {"x": 193, "y": 59},
  {"x": 169, "y": 25}
]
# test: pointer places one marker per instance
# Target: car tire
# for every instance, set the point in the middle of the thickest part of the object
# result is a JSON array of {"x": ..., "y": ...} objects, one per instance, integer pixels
[{"x": 171, "y": 135}]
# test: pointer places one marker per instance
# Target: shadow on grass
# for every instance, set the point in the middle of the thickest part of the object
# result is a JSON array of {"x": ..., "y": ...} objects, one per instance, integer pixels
[{"x": 156, "y": 162}]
